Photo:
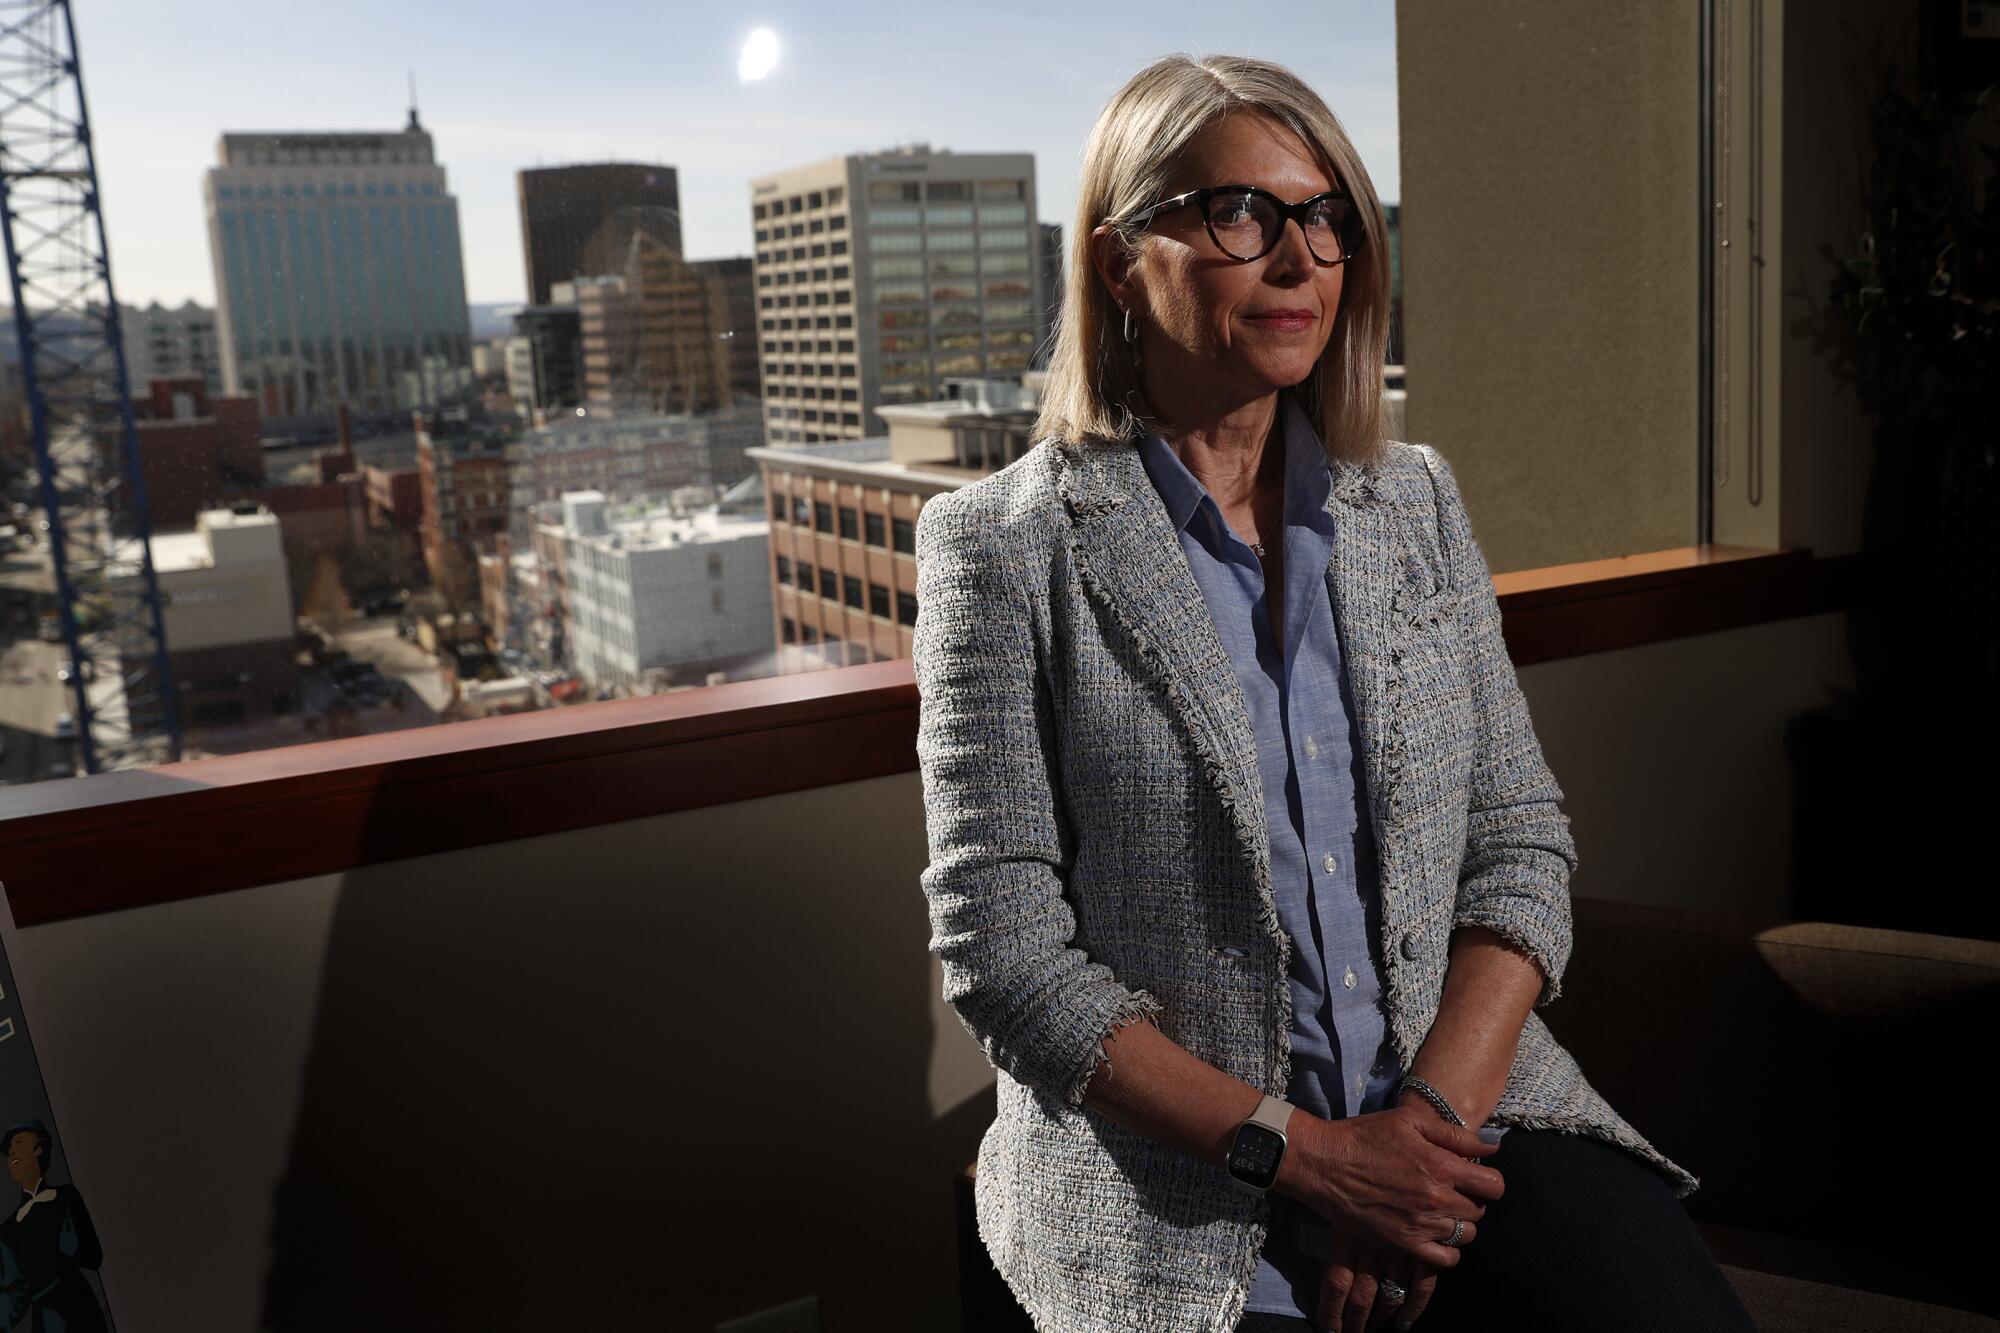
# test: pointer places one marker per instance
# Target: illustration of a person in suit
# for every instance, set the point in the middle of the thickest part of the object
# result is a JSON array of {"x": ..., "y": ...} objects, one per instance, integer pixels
[{"x": 46, "y": 1241}]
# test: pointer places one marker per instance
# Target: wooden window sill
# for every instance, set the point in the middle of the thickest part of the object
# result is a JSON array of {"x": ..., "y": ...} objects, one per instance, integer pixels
[{"x": 117, "y": 840}]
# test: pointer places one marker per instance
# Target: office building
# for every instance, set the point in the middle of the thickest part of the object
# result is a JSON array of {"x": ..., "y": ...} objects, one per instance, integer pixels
[
  {"x": 653, "y": 327},
  {"x": 163, "y": 343},
  {"x": 338, "y": 275},
  {"x": 563, "y": 208},
  {"x": 226, "y": 607},
  {"x": 844, "y": 518},
  {"x": 545, "y": 359},
  {"x": 655, "y": 587},
  {"x": 195, "y": 449},
  {"x": 881, "y": 274},
  {"x": 739, "y": 332}
]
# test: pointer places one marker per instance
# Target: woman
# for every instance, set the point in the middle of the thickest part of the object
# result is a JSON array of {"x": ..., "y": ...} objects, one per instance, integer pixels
[
  {"x": 1229, "y": 781},
  {"x": 46, "y": 1243}
]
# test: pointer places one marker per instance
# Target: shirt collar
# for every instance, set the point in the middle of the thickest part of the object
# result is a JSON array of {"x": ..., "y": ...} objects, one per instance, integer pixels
[{"x": 1308, "y": 476}]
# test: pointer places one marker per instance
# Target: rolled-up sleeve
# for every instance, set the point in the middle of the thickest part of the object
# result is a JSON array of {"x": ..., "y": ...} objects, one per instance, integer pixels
[
  {"x": 1519, "y": 855},
  {"x": 1001, "y": 926}
]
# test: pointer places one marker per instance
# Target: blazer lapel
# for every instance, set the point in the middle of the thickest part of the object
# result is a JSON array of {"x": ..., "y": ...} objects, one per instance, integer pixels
[
  {"x": 1130, "y": 560},
  {"x": 1363, "y": 578}
]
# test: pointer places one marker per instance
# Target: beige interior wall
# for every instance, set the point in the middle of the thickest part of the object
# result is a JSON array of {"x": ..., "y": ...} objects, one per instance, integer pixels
[
  {"x": 1550, "y": 168},
  {"x": 692, "y": 1066}
]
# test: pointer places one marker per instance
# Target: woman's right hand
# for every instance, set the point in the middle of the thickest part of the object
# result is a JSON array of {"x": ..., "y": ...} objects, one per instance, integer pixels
[{"x": 1396, "y": 1178}]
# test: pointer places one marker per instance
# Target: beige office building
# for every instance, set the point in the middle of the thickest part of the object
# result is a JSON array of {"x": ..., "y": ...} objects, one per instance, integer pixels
[
  {"x": 879, "y": 275},
  {"x": 843, "y": 530}
]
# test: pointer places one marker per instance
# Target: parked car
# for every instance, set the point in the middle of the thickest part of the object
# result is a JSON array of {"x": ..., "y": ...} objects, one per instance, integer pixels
[
  {"x": 384, "y": 604},
  {"x": 65, "y": 727}
]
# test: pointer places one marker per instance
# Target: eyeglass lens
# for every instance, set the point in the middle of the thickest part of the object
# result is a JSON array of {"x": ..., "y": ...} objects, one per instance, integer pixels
[{"x": 1246, "y": 225}]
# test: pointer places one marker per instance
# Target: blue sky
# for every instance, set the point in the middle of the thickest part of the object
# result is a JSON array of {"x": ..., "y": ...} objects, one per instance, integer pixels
[{"x": 505, "y": 84}]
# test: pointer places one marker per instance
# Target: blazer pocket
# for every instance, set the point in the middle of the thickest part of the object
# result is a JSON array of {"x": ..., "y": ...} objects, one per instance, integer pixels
[{"x": 1432, "y": 611}]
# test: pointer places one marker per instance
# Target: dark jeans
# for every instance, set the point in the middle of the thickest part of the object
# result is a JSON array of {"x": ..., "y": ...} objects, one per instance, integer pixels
[{"x": 1586, "y": 1236}]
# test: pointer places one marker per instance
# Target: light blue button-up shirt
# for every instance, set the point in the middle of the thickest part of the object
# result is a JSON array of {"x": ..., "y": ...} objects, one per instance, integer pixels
[{"x": 1323, "y": 873}]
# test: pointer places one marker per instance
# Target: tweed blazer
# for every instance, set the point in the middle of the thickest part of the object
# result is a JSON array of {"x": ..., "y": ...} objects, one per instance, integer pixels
[{"x": 1098, "y": 849}]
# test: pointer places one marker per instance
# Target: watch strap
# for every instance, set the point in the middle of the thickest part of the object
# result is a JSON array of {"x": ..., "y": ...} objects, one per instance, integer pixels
[{"x": 1272, "y": 1113}]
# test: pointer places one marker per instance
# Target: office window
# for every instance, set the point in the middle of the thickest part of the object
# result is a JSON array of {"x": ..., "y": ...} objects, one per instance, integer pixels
[
  {"x": 878, "y": 600},
  {"x": 829, "y": 584},
  {"x": 784, "y": 569},
  {"x": 822, "y": 516},
  {"x": 905, "y": 534},
  {"x": 851, "y": 587},
  {"x": 874, "y": 521},
  {"x": 849, "y": 523},
  {"x": 812, "y": 633},
  {"x": 791, "y": 630},
  {"x": 906, "y": 608},
  {"x": 805, "y": 577}
]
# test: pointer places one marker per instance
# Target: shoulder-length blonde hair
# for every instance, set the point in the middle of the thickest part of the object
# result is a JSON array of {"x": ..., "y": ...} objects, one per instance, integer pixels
[{"x": 1092, "y": 394}]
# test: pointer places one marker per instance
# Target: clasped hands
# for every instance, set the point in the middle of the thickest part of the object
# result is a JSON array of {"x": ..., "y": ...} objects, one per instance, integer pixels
[{"x": 1389, "y": 1184}]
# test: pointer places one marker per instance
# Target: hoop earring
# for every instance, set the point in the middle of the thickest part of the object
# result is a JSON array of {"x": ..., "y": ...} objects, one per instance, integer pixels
[{"x": 1131, "y": 330}]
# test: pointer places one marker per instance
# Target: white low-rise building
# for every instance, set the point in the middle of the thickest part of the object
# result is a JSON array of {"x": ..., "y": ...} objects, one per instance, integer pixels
[{"x": 659, "y": 588}]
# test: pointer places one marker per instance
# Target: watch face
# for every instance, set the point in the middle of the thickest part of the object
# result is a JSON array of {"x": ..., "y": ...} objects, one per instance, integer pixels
[{"x": 1253, "y": 1159}]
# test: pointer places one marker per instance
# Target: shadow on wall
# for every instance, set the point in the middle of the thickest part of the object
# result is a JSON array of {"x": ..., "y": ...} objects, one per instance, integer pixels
[{"x": 655, "y": 1075}]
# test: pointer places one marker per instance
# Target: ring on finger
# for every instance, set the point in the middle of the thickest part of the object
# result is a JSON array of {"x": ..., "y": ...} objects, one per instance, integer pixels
[
  {"x": 1391, "y": 1293},
  {"x": 1457, "y": 1231}
]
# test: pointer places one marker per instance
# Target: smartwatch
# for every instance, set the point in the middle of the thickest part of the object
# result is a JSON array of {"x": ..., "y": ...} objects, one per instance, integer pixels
[{"x": 1260, "y": 1146}]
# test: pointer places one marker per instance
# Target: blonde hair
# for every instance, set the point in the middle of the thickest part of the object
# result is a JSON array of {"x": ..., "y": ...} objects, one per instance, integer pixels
[{"x": 1092, "y": 376}]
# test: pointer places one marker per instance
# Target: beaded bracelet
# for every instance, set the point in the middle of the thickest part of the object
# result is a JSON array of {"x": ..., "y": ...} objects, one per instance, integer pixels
[{"x": 1433, "y": 1096}]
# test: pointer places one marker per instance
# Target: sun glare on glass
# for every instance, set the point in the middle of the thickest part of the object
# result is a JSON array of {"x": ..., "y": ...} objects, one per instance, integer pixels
[{"x": 760, "y": 55}]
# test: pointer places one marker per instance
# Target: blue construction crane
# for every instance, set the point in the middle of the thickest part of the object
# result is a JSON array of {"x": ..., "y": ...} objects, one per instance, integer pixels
[{"x": 78, "y": 397}]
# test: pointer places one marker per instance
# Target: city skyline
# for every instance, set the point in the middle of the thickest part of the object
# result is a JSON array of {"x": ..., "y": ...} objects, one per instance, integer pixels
[{"x": 662, "y": 87}]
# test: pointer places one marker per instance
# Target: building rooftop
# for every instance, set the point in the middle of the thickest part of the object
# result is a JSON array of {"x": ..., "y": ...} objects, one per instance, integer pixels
[{"x": 863, "y": 459}]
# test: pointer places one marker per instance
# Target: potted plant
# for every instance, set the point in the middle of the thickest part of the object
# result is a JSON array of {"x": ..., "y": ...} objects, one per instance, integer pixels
[{"x": 1912, "y": 325}]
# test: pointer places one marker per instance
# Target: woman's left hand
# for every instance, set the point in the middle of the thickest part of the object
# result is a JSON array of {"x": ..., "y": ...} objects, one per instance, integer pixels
[{"x": 1350, "y": 1297}]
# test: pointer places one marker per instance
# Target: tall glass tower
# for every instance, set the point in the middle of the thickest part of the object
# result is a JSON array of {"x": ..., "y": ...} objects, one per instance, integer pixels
[{"x": 338, "y": 274}]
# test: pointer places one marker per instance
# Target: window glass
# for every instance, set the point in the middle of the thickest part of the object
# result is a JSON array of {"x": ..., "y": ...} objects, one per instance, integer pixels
[{"x": 551, "y": 350}]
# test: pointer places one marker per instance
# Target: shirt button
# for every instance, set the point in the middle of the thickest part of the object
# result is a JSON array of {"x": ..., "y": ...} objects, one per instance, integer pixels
[
  {"x": 1409, "y": 946},
  {"x": 1312, "y": 748},
  {"x": 1329, "y": 863},
  {"x": 1348, "y": 980}
]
